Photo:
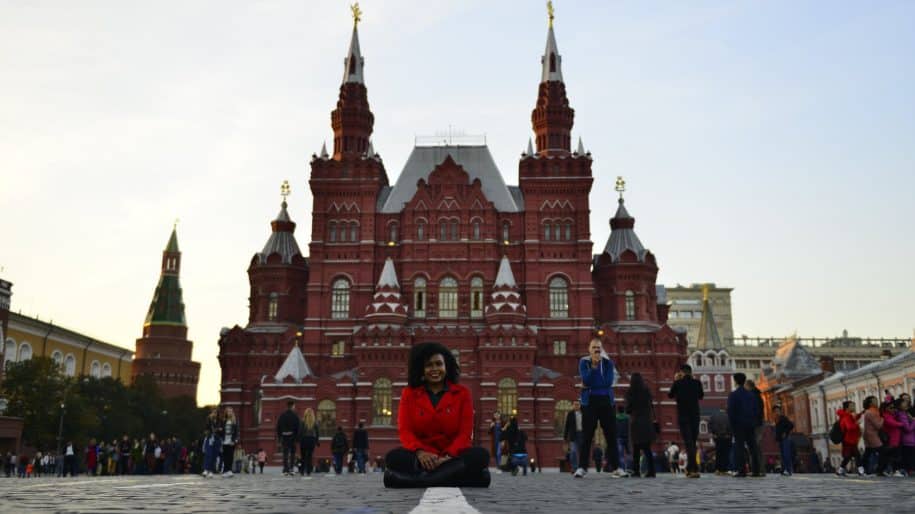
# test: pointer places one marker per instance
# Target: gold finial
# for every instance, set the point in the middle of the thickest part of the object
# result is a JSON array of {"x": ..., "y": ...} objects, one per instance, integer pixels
[
  {"x": 620, "y": 186},
  {"x": 550, "y": 11},
  {"x": 704, "y": 292},
  {"x": 357, "y": 13},
  {"x": 284, "y": 190}
]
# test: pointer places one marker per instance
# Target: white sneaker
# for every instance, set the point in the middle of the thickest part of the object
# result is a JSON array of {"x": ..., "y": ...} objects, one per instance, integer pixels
[
  {"x": 204, "y": 474},
  {"x": 840, "y": 472},
  {"x": 227, "y": 474},
  {"x": 580, "y": 473},
  {"x": 861, "y": 470},
  {"x": 618, "y": 473},
  {"x": 899, "y": 474}
]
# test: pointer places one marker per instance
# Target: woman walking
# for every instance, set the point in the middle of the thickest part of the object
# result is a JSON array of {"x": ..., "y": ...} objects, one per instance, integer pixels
[
  {"x": 229, "y": 439},
  {"x": 596, "y": 371},
  {"x": 642, "y": 421},
  {"x": 309, "y": 440}
]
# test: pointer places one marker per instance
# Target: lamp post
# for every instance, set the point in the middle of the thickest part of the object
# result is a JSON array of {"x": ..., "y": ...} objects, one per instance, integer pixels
[{"x": 60, "y": 430}]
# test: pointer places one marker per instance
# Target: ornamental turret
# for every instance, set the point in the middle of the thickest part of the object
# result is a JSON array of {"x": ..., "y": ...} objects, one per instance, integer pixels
[
  {"x": 387, "y": 306},
  {"x": 352, "y": 120},
  {"x": 505, "y": 306},
  {"x": 552, "y": 118}
]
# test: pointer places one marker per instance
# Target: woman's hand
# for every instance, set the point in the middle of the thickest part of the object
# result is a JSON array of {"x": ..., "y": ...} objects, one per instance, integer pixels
[{"x": 428, "y": 461}]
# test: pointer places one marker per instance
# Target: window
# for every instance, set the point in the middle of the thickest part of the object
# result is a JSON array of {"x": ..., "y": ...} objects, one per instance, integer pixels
[
  {"x": 95, "y": 369},
  {"x": 354, "y": 232},
  {"x": 546, "y": 231},
  {"x": 719, "y": 383},
  {"x": 443, "y": 230},
  {"x": 421, "y": 231},
  {"x": 392, "y": 232},
  {"x": 9, "y": 352},
  {"x": 562, "y": 409},
  {"x": 476, "y": 230},
  {"x": 568, "y": 233},
  {"x": 705, "y": 382},
  {"x": 630, "y": 306},
  {"x": 559, "y": 347},
  {"x": 338, "y": 348},
  {"x": 327, "y": 418},
  {"x": 476, "y": 297},
  {"x": 57, "y": 357},
  {"x": 272, "y": 307},
  {"x": 332, "y": 232},
  {"x": 447, "y": 298},
  {"x": 70, "y": 365},
  {"x": 454, "y": 230},
  {"x": 556, "y": 232},
  {"x": 559, "y": 298},
  {"x": 703, "y": 427},
  {"x": 25, "y": 352},
  {"x": 508, "y": 397},
  {"x": 505, "y": 233},
  {"x": 106, "y": 370},
  {"x": 340, "y": 300},
  {"x": 419, "y": 298},
  {"x": 381, "y": 402}
]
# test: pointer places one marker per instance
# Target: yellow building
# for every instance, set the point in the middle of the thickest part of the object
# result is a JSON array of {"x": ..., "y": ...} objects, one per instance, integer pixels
[{"x": 77, "y": 354}]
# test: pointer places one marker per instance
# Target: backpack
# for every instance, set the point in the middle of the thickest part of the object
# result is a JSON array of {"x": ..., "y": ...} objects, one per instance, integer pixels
[{"x": 836, "y": 435}]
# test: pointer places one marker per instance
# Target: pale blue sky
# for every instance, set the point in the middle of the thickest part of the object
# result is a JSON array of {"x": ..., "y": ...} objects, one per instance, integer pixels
[{"x": 768, "y": 146}]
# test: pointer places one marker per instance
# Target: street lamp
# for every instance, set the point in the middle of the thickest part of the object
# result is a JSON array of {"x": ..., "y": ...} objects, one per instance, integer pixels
[{"x": 60, "y": 430}]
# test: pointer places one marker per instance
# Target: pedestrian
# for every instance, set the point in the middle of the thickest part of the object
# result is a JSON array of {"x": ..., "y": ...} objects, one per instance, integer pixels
[
  {"x": 851, "y": 434},
  {"x": 672, "y": 452},
  {"x": 261, "y": 459},
  {"x": 758, "y": 427},
  {"x": 908, "y": 433},
  {"x": 643, "y": 424},
  {"x": 597, "y": 373},
  {"x": 360, "y": 446},
  {"x": 495, "y": 433},
  {"x": 435, "y": 426},
  {"x": 572, "y": 433},
  {"x": 212, "y": 443},
  {"x": 338, "y": 448},
  {"x": 873, "y": 444},
  {"x": 91, "y": 457},
  {"x": 518, "y": 451},
  {"x": 70, "y": 459},
  {"x": 688, "y": 391},
  {"x": 720, "y": 427},
  {"x": 622, "y": 436},
  {"x": 743, "y": 413},
  {"x": 229, "y": 439},
  {"x": 893, "y": 446},
  {"x": 287, "y": 433},
  {"x": 309, "y": 440},
  {"x": 783, "y": 429}
]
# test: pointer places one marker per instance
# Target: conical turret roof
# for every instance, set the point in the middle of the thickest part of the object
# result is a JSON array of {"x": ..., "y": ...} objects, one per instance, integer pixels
[
  {"x": 622, "y": 236},
  {"x": 282, "y": 239},
  {"x": 294, "y": 366}
]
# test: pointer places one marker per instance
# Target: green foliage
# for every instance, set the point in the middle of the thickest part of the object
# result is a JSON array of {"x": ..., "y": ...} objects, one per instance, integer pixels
[{"x": 102, "y": 409}]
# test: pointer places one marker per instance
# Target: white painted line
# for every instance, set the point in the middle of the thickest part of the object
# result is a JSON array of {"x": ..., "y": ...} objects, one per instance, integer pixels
[
  {"x": 443, "y": 500},
  {"x": 154, "y": 486}
]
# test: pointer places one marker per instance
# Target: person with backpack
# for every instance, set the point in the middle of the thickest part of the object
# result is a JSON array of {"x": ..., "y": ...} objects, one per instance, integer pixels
[
  {"x": 338, "y": 447},
  {"x": 783, "y": 429},
  {"x": 287, "y": 431},
  {"x": 720, "y": 427},
  {"x": 743, "y": 413},
  {"x": 851, "y": 434}
]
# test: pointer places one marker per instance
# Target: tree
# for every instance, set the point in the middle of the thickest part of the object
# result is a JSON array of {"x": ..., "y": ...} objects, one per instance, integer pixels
[{"x": 35, "y": 389}]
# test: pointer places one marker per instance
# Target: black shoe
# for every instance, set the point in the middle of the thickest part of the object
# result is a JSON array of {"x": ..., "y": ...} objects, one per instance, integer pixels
[
  {"x": 740, "y": 475},
  {"x": 650, "y": 475},
  {"x": 482, "y": 480},
  {"x": 397, "y": 480}
]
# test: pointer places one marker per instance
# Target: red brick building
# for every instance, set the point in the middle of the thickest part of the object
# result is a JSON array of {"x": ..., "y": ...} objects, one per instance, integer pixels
[
  {"x": 164, "y": 351},
  {"x": 502, "y": 275}
]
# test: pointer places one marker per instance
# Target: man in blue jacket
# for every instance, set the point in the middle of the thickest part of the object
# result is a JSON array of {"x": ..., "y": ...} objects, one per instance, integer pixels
[
  {"x": 597, "y": 405},
  {"x": 743, "y": 412}
]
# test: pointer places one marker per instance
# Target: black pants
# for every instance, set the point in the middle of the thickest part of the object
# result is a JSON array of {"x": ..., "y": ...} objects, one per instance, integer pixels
[
  {"x": 599, "y": 409},
  {"x": 475, "y": 459},
  {"x": 308, "y": 450},
  {"x": 745, "y": 439},
  {"x": 637, "y": 451},
  {"x": 908, "y": 458},
  {"x": 722, "y": 453},
  {"x": 689, "y": 430},
  {"x": 288, "y": 443},
  {"x": 228, "y": 457}
]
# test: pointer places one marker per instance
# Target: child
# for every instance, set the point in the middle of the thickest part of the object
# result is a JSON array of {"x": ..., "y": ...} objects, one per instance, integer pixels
[{"x": 261, "y": 459}]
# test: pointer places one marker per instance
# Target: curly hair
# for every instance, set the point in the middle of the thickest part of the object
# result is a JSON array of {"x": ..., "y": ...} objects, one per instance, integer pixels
[{"x": 420, "y": 353}]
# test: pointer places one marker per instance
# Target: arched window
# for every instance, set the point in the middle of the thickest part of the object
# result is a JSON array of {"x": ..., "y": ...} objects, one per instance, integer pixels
[
  {"x": 9, "y": 352},
  {"x": 505, "y": 233},
  {"x": 568, "y": 234},
  {"x": 546, "y": 231},
  {"x": 421, "y": 231},
  {"x": 70, "y": 365},
  {"x": 448, "y": 298},
  {"x": 697, "y": 359},
  {"x": 508, "y": 397},
  {"x": 557, "y": 234},
  {"x": 354, "y": 232},
  {"x": 559, "y": 347},
  {"x": 392, "y": 232},
  {"x": 630, "y": 306},
  {"x": 106, "y": 370},
  {"x": 58, "y": 358},
  {"x": 559, "y": 298},
  {"x": 338, "y": 348},
  {"x": 454, "y": 230},
  {"x": 332, "y": 232},
  {"x": 563, "y": 407},
  {"x": 719, "y": 383},
  {"x": 25, "y": 352},
  {"x": 419, "y": 298},
  {"x": 381, "y": 402},
  {"x": 339, "y": 307},
  {"x": 442, "y": 230},
  {"x": 327, "y": 418},
  {"x": 476, "y": 297},
  {"x": 272, "y": 306},
  {"x": 476, "y": 230},
  {"x": 95, "y": 369},
  {"x": 705, "y": 382}
]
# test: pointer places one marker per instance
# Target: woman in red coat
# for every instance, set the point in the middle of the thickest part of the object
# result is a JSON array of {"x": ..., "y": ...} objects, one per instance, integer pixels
[{"x": 435, "y": 425}]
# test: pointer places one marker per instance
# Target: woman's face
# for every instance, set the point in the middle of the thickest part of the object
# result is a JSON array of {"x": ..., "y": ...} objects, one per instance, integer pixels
[
  {"x": 594, "y": 348},
  {"x": 434, "y": 369}
]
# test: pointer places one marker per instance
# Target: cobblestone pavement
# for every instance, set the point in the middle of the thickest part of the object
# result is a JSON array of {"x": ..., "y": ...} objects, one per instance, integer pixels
[{"x": 547, "y": 492}]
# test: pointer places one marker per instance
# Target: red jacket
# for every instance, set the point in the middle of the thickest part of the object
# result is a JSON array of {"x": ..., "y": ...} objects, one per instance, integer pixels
[
  {"x": 893, "y": 429},
  {"x": 443, "y": 429},
  {"x": 850, "y": 427}
]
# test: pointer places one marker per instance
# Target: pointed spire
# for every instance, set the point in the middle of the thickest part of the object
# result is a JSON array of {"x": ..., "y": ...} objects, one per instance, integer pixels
[
  {"x": 294, "y": 366},
  {"x": 551, "y": 60},
  {"x": 505, "y": 277},
  {"x": 370, "y": 151},
  {"x": 552, "y": 117},
  {"x": 708, "y": 338},
  {"x": 581, "y": 147},
  {"x": 352, "y": 69},
  {"x": 324, "y": 154},
  {"x": 530, "y": 147},
  {"x": 172, "y": 246},
  {"x": 352, "y": 120},
  {"x": 167, "y": 306},
  {"x": 388, "y": 275}
]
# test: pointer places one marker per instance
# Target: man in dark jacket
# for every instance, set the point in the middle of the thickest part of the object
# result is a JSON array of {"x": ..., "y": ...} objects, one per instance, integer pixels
[
  {"x": 339, "y": 447},
  {"x": 743, "y": 413},
  {"x": 720, "y": 427},
  {"x": 360, "y": 446},
  {"x": 572, "y": 433},
  {"x": 688, "y": 391},
  {"x": 783, "y": 429},
  {"x": 758, "y": 427},
  {"x": 287, "y": 431}
]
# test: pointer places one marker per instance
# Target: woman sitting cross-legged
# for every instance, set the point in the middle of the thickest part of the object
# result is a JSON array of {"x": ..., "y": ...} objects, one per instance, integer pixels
[{"x": 435, "y": 423}]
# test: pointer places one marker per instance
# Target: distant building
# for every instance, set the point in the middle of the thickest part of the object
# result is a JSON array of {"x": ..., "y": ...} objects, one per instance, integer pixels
[
  {"x": 712, "y": 364},
  {"x": 686, "y": 309},
  {"x": 164, "y": 351},
  {"x": 10, "y": 428}
]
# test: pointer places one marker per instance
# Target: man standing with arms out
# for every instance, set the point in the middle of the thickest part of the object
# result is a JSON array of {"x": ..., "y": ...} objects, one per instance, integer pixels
[
  {"x": 572, "y": 433},
  {"x": 742, "y": 412},
  {"x": 720, "y": 427},
  {"x": 597, "y": 373},
  {"x": 688, "y": 391},
  {"x": 360, "y": 447},
  {"x": 287, "y": 431},
  {"x": 783, "y": 428}
]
